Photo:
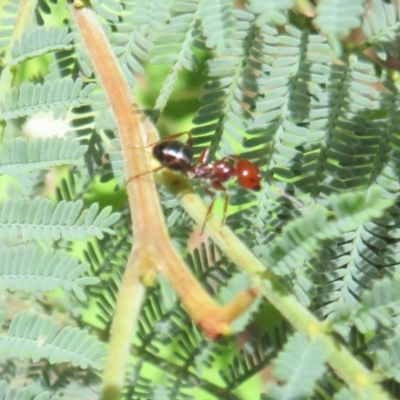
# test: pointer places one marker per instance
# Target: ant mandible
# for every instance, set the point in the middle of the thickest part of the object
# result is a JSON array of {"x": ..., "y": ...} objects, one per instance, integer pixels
[{"x": 178, "y": 156}]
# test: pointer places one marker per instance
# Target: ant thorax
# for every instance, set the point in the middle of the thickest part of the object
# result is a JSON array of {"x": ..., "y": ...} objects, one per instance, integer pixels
[{"x": 220, "y": 171}]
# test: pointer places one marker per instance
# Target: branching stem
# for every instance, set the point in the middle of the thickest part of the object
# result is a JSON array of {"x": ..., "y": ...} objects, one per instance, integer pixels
[{"x": 153, "y": 250}]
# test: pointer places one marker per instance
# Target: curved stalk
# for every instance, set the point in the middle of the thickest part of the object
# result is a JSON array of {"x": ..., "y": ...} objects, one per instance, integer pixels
[{"x": 154, "y": 252}]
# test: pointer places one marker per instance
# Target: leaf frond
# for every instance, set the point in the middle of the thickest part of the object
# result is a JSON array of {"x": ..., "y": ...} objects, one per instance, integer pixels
[
  {"x": 254, "y": 356},
  {"x": 9, "y": 13},
  {"x": 350, "y": 210},
  {"x": 228, "y": 93},
  {"x": 132, "y": 46},
  {"x": 270, "y": 12},
  {"x": 31, "y": 336},
  {"x": 44, "y": 219},
  {"x": 218, "y": 24},
  {"x": 330, "y": 12},
  {"x": 56, "y": 95},
  {"x": 28, "y": 268},
  {"x": 40, "y": 41},
  {"x": 380, "y": 26},
  {"x": 21, "y": 156},
  {"x": 173, "y": 47},
  {"x": 29, "y": 392},
  {"x": 299, "y": 366}
]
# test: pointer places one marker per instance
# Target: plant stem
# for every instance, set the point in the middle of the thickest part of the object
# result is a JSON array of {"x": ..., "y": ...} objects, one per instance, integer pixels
[
  {"x": 345, "y": 364},
  {"x": 153, "y": 250}
]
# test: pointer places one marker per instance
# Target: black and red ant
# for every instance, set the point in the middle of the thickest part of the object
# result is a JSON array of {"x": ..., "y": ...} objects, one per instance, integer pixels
[{"x": 178, "y": 156}]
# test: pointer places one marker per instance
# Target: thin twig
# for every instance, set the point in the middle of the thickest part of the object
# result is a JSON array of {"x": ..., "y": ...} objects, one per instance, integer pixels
[{"x": 153, "y": 250}]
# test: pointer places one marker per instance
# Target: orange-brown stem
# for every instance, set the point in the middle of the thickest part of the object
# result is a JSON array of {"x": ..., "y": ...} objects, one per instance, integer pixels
[{"x": 153, "y": 250}]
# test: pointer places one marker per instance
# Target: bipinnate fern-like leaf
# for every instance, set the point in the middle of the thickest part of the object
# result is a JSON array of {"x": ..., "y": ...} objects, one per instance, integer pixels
[
  {"x": 193, "y": 353},
  {"x": 228, "y": 93},
  {"x": 292, "y": 63},
  {"x": 377, "y": 312},
  {"x": 20, "y": 156},
  {"x": 34, "y": 337},
  {"x": 138, "y": 27},
  {"x": 270, "y": 12},
  {"x": 173, "y": 46},
  {"x": 117, "y": 162},
  {"x": 378, "y": 306},
  {"x": 253, "y": 356},
  {"x": 209, "y": 263},
  {"x": 289, "y": 159},
  {"x": 61, "y": 65},
  {"x": 301, "y": 237},
  {"x": 381, "y": 27},
  {"x": 44, "y": 219},
  {"x": 109, "y": 9},
  {"x": 218, "y": 24},
  {"x": 9, "y": 12},
  {"x": 385, "y": 349},
  {"x": 315, "y": 125},
  {"x": 317, "y": 142},
  {"x": 44, "y": 9},
  {"x": 29, "y": 268},
  {"x": 39, "y": 41},
  {"x": 299, "y": 365},
  {"x": 23, "y": 393},
  {"x": 238, "y": 283},
  {"x": 56, "y": 95},
  {"x": 345, "y": 394},
  {"x": 107, "y": 258},
  {"x": 343, "y": 123},
  {"x": 336, "y": 18}
]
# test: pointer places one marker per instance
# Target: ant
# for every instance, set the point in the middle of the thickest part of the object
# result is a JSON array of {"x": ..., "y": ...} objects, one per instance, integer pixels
[{"x": 178, "y": 156}]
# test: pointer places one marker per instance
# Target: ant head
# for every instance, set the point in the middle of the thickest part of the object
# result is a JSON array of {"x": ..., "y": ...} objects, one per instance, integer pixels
[{"x": 249, "y": 176}]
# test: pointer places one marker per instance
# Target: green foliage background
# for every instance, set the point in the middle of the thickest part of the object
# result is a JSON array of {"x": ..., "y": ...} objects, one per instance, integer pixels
[{"x": 318, "y": 117}]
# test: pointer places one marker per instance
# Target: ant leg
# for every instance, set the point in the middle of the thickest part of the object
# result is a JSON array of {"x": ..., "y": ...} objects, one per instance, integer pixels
[
  {"x": 203, "y": 159},
  {"x": 210, "y": 207},
  {"x": 226, "y": 202},
  {"x": 147, "y": 172},
  {"x": 190, "y": 139},
  {"x": 217, "y": 185},
  {"x": 174, "y": 136},
  {"x": 232, "y": 157},
  {"x": 297, "y": 203}
]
